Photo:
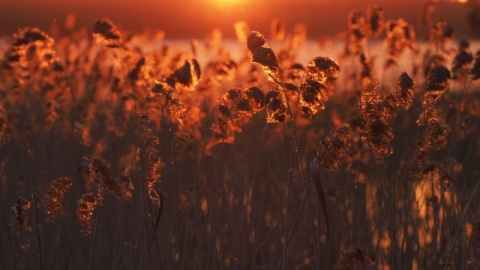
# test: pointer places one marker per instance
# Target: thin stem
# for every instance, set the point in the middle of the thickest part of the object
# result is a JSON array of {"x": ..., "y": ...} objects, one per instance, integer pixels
[
  {"x": 394, "y": 242},
  {"x": 354, "y": 221},
  {"x": 280, "y": 207},
  {"x": 337, "y": 229},
  {"x": 457, "y": 121},
  {"x": 295, "y": 139},
  {"x": 288, "y": 179},
  {"x": 175, "y": 181},
  {"x": 408, "y": 204},
  {"x": 141, "y": 216},
  {"x": 135, "y": 252},
  {"x": 292, "y": 229},
  {"x": 90, "y": 260},
  {"x": 459, "y": 229},
  {"x": 74, "y": 101},
  {"x": 154, "y": 222},
  {"x": 122, "y": 216},
  {"x": 58, "y": 243},
  {"x": 389, "y": 210},
  {"x": 277, "y": 229},
  {"x": 10, "y": 247},
  {"x": 209, "y": 204},
  {"x": 190, "y": 205},
  {"x": 38, "y": 245}
]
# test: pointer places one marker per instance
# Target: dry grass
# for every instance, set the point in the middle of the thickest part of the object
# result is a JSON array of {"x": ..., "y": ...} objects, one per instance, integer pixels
[{"x": 138, "y": 154}]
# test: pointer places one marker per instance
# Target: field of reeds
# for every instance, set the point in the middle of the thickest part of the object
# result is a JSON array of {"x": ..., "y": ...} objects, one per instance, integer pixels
[{"x": 128, "y": 151}]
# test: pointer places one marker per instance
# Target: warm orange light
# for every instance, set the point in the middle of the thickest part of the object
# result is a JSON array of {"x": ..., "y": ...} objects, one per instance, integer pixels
[{"x": 228, "y": 2}]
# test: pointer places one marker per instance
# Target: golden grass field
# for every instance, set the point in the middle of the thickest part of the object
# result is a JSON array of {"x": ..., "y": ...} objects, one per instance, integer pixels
[{"x": 125, "y": 150}]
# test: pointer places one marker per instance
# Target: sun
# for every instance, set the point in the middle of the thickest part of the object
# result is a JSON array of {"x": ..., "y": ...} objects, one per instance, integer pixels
[{"x": 228, "y": 2}]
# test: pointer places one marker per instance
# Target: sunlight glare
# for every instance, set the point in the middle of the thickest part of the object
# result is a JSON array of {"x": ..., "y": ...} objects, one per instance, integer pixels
[{"x": 227, "y": 2}]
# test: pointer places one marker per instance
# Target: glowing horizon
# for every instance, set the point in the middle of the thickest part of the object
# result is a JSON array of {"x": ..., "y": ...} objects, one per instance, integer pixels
[
  {"x": 228, "y": 3},
  {"x": 195, "y": 19}
]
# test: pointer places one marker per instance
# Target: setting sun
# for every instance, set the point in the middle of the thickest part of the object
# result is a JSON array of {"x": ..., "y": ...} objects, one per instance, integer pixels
[{"x": 229, "y": 1}]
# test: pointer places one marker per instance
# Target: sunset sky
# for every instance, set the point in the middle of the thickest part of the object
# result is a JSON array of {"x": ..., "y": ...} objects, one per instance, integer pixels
[{"x": 195, "y": 18}]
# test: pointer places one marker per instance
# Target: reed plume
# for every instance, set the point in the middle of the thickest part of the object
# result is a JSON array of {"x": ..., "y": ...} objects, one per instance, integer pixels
[
  {"x": 22, "y": 228},
  {"x": 400, "y": 35},
  {"x": 186, "y": 77},
  {"x": 435, "y": 128},
  {"x": 264, "y": 55},
  {"x": 20, "y": 207},
  {"x": 276, "y": 108},
  {"x": 367, "y": 74},
  {"x": 150, "y": 152},
  {"x": 375, "y": 20},
  {"x": 437, "y": 82},
  {"x": 313, "y": 91},
  {"x": 101, "y": 171},
  {"x": 168, "y": 99},
  {"x": 462, "y": 61},
  {"x": 376, "y": 116},
  {"x": 293, "y": 77},
  {"x": 333, "y": 148},
  {"x": 475, "y": 71},
  {"x": 441, "y": 33},
  {"x": 105, "y": 32},
  {"x": 54, "y": 196},
  {"x": 85, "y": 208},
  {"x": 234, "y": 107},
  {"x": 403, "y": 96},
  {"x": 357, "y": 36}
]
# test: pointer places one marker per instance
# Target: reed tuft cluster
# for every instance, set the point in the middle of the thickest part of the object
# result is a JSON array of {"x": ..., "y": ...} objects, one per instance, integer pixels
[{"x": 55, "y": 195}]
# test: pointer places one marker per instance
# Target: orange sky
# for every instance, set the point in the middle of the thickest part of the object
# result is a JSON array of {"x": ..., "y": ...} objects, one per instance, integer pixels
[{"x": 195, "y": 18}]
